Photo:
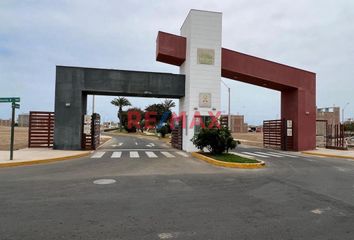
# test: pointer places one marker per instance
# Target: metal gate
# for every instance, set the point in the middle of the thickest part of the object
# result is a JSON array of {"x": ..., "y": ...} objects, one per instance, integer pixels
[
  {"x": 335, "y": 138},
  {"x": 176, "y": 136},
  {"x": 321, "y": 133},
  {"x": 91, "y": 132},
  {"x": 278, "y": 134},
  {"x": 41, "y": 129}
]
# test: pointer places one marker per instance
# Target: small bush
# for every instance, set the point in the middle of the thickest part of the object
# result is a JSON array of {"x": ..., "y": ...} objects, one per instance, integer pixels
[
  {"x": 216, "y": 140},
  {"x": 163, "y": 130}
]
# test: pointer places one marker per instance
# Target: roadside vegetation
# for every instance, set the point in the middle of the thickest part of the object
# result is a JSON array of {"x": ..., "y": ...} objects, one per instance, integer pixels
[
  {"x": 120, "y": 102},
  {"x": 349, "y": 128},
  {"x": 159, "y": 111},
  {"x": 218, "y": 141}
]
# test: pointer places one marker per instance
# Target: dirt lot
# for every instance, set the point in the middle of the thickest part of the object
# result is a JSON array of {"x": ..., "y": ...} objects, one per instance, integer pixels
[
  {"x": 21, "y": 137},
  {"x": 252, "y": 139}
]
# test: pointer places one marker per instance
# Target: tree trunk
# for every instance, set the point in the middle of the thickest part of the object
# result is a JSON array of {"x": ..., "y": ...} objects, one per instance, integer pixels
[{"x": 120, "y": 118}]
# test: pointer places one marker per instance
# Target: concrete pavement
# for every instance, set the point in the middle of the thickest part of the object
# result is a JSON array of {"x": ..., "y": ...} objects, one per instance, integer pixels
[
  {"x": 348, "y": 154},
  {"x": 29, "y": 156},
  {"x": 295, "y": 197}
]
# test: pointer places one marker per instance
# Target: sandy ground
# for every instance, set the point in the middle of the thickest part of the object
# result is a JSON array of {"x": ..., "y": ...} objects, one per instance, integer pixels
[
  {"x": 21, "y": 138},
  {"x": 252, "y": 139}
]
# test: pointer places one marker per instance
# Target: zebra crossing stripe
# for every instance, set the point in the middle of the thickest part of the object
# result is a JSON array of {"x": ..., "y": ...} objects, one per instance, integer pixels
[
  {"x": 116, "y": 155},
  {"x": 151, "y": 154},
  {"x": 256, "y": 155},
  {"x": 270, "y": 154},
  {"x": 284, "y": 155},
  {"x": 183, "y": 154},
  {"x": 134, "y": 154},
  {"x": 98, "y": 154},
  {"x": 167, "y": 154}
]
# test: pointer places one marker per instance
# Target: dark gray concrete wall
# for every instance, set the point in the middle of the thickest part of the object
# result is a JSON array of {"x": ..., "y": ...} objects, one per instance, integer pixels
[{"x": 74, "y": 83}]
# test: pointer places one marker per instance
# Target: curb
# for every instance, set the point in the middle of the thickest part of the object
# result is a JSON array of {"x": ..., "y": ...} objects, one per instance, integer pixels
[
  {"x": 261, "y": 164},
  {"x": 49, "y": 160},
  {"x": 327, "y": 155}
]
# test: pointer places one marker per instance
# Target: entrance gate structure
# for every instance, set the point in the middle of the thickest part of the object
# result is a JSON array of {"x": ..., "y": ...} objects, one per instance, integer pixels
[
  {"x": 202, "y": 63},
  {"x": 73, "y": 84},
  {"x": 199, "y": 55}
]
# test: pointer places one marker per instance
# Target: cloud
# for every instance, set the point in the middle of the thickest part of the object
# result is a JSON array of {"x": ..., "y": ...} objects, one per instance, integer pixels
[{"x": 37, "y": 35}]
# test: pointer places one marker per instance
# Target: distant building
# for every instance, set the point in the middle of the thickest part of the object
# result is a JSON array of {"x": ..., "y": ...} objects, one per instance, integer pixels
[
  {"x": 5, "y": 122},
  {"x": 23, "y": 120},
  {"x": 330, "y": 114},
  {"x": 109, "y": 124},
  {"x": 238, "y": 124},
  {"x": 324, "y": 117}
]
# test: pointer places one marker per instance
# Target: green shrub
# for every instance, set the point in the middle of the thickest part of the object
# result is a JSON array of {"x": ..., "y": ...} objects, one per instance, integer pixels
[
  {"x": 163, "y": 130},
  {"x": 216, "y": 140},
  {"x": 349, "y": 127}
]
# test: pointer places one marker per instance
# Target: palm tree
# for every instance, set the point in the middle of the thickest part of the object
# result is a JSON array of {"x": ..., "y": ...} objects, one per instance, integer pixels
[
  {"x": 168, "y": 104},
  {"x": 120, "y": 102}
]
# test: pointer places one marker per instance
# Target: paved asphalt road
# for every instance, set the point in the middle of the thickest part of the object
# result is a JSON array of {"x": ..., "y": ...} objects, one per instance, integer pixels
[{"x": 161, "y": 193}]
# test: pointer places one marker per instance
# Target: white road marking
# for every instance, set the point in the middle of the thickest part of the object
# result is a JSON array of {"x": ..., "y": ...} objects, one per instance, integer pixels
[
  {"x": 254, "y": 154},
  {"x": 167, "y": 154},
  {"x": 342, "y": 169},
  {"x": 285, "y": 155},
  {"x": 168, "y": 235},
  {"x": 134, "y": 154},
  {"x": 151, "y": 154},
  {"x": 116, "y": 154},
  {"x": 98, "y": 154},
  {"x": 320, "y": 210},
  {"x": 150, "y": 145},
  {"x": 183, "y": 154},
  {"x": 165, "y": 235},
  {"x": 104, "y": 181},
  {"x": 117, "y": 145},
  {"x": 270, "y": 154}
]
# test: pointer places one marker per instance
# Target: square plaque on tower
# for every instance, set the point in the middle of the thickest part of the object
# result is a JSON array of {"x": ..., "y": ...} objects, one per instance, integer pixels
[
  {"x": 205, "y": 100},
  {"x": 206, "y": 56}
]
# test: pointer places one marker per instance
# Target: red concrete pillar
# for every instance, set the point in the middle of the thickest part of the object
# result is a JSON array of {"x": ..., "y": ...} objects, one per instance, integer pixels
[{"x": 299, "y": 105}]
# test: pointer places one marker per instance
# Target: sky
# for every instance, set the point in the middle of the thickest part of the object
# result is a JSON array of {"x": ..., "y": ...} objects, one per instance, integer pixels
[{"x": 35, "y": 36}]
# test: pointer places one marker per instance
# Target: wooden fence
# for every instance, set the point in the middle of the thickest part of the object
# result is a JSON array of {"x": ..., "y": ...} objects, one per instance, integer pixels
[
  {"x": 276, "y": 135},
  {"x": 41, "y": 130}
]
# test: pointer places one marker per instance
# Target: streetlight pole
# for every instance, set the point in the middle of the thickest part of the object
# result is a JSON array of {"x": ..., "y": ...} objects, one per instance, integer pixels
[
  {"x": 229, "y": 106},
  {"x": 93, "y": 104},
  {"x": 343, "y": 111}
]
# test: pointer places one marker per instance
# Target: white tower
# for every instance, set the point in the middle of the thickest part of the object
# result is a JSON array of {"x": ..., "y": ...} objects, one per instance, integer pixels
[{"x": 202, "y": 68}]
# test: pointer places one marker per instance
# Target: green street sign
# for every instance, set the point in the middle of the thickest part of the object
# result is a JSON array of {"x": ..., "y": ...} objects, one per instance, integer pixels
[
  {"x": 15, "y": 105},
  {"x": 6, "y": 100}
]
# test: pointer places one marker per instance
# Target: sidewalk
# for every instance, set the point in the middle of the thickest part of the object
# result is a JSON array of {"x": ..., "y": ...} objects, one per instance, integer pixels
[
  {"x": 29, "y": 156},
  {"x": 331, "y": 153}
]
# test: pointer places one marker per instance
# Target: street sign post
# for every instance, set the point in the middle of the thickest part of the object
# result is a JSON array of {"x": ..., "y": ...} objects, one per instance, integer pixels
[
  {"x": 14, "y": 105},
  {"x": 8, "y": 100}
]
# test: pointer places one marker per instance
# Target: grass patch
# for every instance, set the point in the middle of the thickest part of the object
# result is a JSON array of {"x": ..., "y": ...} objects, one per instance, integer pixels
[{"x": 228, "y": 157}]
